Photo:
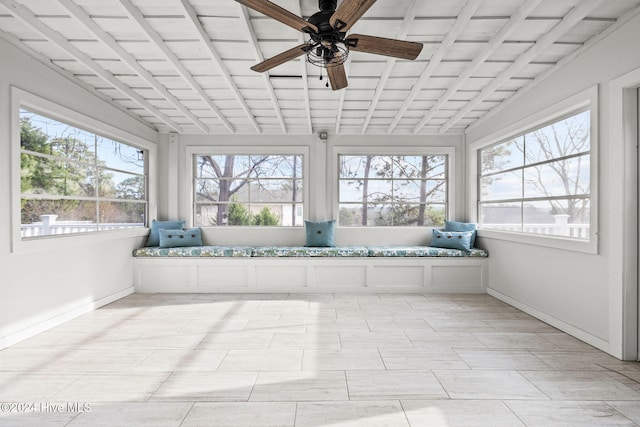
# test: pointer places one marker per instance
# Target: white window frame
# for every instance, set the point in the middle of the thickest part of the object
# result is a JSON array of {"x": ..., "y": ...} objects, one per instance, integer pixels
[
  {"x": 449, "y": 152},
  {"x": 586, "y": 100},
  {"x": 21, "y": 99},
  {"x": 192, "y": 151}
]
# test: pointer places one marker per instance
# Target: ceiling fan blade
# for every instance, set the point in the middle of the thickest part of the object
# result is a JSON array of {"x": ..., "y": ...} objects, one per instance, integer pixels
[
  {"x": 349, "y": 12},
  {"x": 279, "y": 14},
  {"x": 382, "y": 46},
  {"x": 280, "y": 59},
  {"x": 337, "y": 77}
]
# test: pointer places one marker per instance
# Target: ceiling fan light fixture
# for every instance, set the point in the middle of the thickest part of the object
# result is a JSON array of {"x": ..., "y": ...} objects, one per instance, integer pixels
[{"x": 327, "y": 55}]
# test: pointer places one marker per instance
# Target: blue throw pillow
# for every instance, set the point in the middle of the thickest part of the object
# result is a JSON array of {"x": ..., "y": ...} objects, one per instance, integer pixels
[
  {"x": 320, "y": 234},
  {"x": 462, "y": 226},
  {"x": 180, "y": 238},
  {"x": 154, "y": 237},
  {"x": 452, "y": 239}
]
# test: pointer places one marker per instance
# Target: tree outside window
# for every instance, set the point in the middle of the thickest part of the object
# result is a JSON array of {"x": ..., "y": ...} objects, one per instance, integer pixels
[
  {"x": 397, "y": 190},
  {"x": 248, "y": 190}
]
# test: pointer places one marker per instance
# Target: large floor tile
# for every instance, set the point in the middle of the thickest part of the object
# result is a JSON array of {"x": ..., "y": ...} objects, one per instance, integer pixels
[
  {"x": 35, "y": 419},
  {"x": 389, "y": 385},
  {"x": 629, "y": 409},
  {"x": 351, "y": 414},
  {"x": 506, "y": 360},
  {"x": 32, "y": 387},
  {"x": 580, "y": 385},
  {"x": 300, "y": 386},
  {"x": 566, "y": 414},
  {"x": 459, "y": 413},
  {"x": 320, "y": 340},
  {"x": 144, "y": 414},
  {"x": 341, "y": 360},
  {"x": 94, "y": 388},
  {"x": 211, "y": 386},
  {"x": 422, "y": 359},
  {"x": 236, "y": 340},
  {"x": 241, "y": 414},
  {"x": 515, "y": 341},
  {"x": 261, "y": 360},
  {"x": 177, "y": 360},
  {"x": 485, "y": 384},
  {"x": 385, "y": 339}
]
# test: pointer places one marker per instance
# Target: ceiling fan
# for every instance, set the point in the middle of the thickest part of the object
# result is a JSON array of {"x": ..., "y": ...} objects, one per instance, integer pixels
[{"x": 329, "y": 44}]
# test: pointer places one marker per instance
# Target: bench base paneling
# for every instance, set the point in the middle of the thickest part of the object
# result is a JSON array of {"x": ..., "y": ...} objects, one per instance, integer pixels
[{"x": 311, "y": 275}]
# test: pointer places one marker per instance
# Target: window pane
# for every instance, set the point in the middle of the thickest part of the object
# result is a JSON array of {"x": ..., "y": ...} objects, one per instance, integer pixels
[
  {"x": 114, "y": 215},
  {"x": 48, "y": 136},
  {"x": 273, "y": 190},
  {"x": 373, "y": 189},
  {"x": 48, "y": 217},
  {"x": 504, "y": 186},
  {"x": 561, "y": 178},
  {"x": 120, "y": 185},
  {"x": 44, "y": 176},
  {"x": 564, "y": 138},
  {"x": 365, "y": 166},
  {"x": 558, "y": 217},
  {"x": 419, "y": 191},
  {"x": 501, "y": 216},
  {"x": 207, "y": 190},
  {"x": 228, "y": 166},
  {"x": 503, "y": 156},
  {"x": 276, "y": 166},
  {"x": 206, "y": 215},
  {"x": 419, "y": 166},
  {"x": 119, "y": 156}
]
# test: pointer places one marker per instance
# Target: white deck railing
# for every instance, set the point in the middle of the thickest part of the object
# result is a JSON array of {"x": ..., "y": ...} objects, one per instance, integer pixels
[{"x": 49, "y": 226}]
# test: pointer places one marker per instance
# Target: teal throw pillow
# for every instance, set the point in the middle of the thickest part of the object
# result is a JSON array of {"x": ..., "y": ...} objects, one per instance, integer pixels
[
  {"x": 462, "y": 226},
  {"x": 452, "y": 239},
  {"x": 180, "y": 238},
  {"x": 154, "y": 237},
  {"x": 320, "y": 234}
]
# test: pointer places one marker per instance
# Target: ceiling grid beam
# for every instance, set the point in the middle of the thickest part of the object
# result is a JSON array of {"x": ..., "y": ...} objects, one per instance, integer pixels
[
  {"x": 23, "y": 13},
  {"x": 192, "y": 17},
  {"x": 246, "y": 19},
  {"x": 573, "y": 17},
  {"x": 409, "y": 16},
  {"x": 304, "y": 74},
  {"x": 135, "y": 14},
  {"x": 458, "y": 27},
  {"x": 494, "y": 43},
  {"x": 83, "y": 17}
]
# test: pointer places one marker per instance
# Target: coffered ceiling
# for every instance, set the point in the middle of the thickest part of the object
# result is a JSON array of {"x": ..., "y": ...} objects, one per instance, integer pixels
[{"x": 184, "y": 65}]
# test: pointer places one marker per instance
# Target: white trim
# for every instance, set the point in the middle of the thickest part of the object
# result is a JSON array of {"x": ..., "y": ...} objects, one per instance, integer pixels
[
  {"x": 45, "y": 323},
  {"x": 585, "y": 99},
  {"x": 582, "y": 335},
  {"x": 623, "y": 192},
  {"x": 192, "y": 150},
  {"x": 23, "y": 99},
  {"x": 450, "y": 152}
]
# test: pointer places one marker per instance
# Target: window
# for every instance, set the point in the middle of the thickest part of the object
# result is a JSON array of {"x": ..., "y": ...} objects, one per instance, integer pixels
[
  {"x": 73, "y": 180},
  {"x": 392, "y": 190},
  {"x": 540, "y": 181},
  {"x": 248, "y": 189}
]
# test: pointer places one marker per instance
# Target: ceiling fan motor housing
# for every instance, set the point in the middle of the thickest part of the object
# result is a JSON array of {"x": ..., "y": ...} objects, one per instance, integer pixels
[{"x": 327, "y": 5}]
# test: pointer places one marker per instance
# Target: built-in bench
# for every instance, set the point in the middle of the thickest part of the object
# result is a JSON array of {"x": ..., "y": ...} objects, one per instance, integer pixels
[{"x": 310, "y": 269}]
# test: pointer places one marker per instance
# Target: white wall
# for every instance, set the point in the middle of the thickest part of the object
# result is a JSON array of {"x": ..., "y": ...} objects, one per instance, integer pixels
[
  {"x": 44, "y": 285},
  {"x": 578, "y": 292},
  {"x": 174, "y": 199}
]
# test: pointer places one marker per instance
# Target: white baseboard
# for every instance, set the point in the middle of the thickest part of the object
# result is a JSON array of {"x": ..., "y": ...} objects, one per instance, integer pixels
[
  {"x": 46, "y": 324},
  {"x": 590, "y": 339}
]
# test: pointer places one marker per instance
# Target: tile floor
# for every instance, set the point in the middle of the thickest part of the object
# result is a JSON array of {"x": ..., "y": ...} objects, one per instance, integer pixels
[{"x": 313, "y": 360}]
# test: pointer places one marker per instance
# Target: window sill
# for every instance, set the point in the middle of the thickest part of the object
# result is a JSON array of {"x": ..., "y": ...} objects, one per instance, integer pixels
[
  {"x": 556, "y": 242},
  {"x": 65, "y": 241}
]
